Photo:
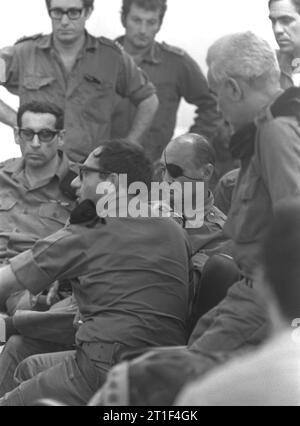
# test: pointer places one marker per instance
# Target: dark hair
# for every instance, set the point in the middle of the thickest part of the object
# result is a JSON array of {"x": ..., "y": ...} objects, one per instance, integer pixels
[
  {"x": 281, "y": 259},
  {"x": 296, "y": 3},
  {"x": 204, "y": 152},
  {"x": 42, "y": 108},
  {"x": 87, "y": 4},
  {"x": 150, "y": 5},
  {"x": 124, "y": 157}
]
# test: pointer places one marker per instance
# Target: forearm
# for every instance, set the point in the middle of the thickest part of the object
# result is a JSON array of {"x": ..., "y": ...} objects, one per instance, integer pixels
[
  {"x": 8, "y": 284},
  {"x": 8, "y": 115},
  {"x": 145, "y": 113}
]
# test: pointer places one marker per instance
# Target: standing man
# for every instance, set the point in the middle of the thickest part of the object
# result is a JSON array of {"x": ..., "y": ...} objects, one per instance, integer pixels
[
  {"x": 173, "y": 72},
  {"x": 285, "y": 18},
  {"x": 81, "y": 74}
]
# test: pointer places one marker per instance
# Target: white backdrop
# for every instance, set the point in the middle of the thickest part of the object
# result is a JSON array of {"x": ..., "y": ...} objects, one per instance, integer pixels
[{"x": 190, "y": 24}]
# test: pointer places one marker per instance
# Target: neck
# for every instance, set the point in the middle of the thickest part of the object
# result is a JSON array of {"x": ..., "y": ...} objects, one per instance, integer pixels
[
  {"x": 69, "y": 49},
  {"x": 136, "y": 52},
  {"x": 35, "y": 175}
]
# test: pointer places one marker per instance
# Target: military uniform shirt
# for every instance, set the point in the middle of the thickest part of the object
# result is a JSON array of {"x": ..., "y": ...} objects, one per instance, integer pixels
[
  {"x": 175, "y": 75},
  {"x": 28, "y": 214},
  {"x": 34, "y": 71},
  {"x": 133, "y": 278}
]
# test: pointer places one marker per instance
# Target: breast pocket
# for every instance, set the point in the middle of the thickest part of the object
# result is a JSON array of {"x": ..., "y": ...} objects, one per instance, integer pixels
[
  {"x": 54, "y": 212},
  {"x": 98, "y": 97},
  {"x": 37, "y": 85},
  {"x": 252, "y": 213}
]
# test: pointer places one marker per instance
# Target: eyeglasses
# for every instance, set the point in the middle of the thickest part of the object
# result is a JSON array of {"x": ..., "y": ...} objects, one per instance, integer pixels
[
  {"x": 175, "y": 171},
  {"x": 73, "y": 13},
  {"x": 83, "y": 169},
  {"x": 44, "y": 135}
]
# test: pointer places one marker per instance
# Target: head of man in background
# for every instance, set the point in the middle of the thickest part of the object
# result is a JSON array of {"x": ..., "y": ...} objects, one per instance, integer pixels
[
  {"x": 142, "y": 20},
  {"x": 69, "y": 19},
  {"x": 244, "y": 76},
  {"x": 285, "y": 18}
]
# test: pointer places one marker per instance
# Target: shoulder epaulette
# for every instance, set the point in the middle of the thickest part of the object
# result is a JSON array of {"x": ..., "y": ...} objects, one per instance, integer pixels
[
  {"x": 173, "y": 49},
  {"x": 28, "y": 38},
  {"x": 111, "y": 43},
  {"x": 9, "y": 163}
]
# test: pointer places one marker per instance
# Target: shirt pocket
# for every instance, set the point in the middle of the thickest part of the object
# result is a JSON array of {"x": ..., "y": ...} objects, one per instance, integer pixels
[
  {"x": 98, "y": 97},
  {"x": 35, "y": 82},
  {"x": 54, "y": 212},
  {"x": 37, "y": 85},
  {"x": 251, "y": 214}
]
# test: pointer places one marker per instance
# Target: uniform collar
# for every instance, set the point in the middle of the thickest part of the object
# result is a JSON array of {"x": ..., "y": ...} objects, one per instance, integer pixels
[
  {"x": 152, "y": 56},
  {"x": 17, "y": 166},
  {"x": 285, "y": 63},
  {"x": 46, "y": 42}
]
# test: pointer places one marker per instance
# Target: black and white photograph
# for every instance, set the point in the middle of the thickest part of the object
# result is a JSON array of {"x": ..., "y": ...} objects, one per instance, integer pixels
[{"x": 150, "y": 206}]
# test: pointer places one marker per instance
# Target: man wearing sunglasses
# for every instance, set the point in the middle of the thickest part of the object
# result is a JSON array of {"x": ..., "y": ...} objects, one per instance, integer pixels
[
  {"x": 191, "y": 159},
  {"x": 81, "y": 74}
]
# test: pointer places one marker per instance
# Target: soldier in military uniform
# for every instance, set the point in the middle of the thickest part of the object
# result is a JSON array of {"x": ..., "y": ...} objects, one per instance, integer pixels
[
  {"x": 81, "y": 74},
  {"x": 132, "y": 290},
  {"x": 190, "y": 158},
  {"x": 173, "y": 72}
]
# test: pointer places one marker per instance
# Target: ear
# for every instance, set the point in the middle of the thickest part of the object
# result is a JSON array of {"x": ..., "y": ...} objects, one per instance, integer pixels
[
  {"x": 233, "y": 89},
  {"x": 207, "y": 171},
  {"x": 88, "y": 12},
  {"x": 61, "y": 139},
  {"x": 16, "y": 135}
]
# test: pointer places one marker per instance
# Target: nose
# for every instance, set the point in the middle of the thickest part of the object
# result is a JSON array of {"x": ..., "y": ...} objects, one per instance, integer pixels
[
  {"x": 143, "y": 27},
  {"x": 277, "y": 28},
  {"x": 35, "y": 142},
  {"x": 65, "y": 19},
  {"x": 76, "y": 183}
]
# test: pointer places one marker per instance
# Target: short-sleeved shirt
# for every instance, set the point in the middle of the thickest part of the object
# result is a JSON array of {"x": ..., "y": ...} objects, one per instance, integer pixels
[
  {"x": 271, "y": 177},
  {"x": 132, "y": 286},
  {"x": 175, "y": 75},
  {"x": 30, "y": 213},
  {"x": 34, "y": 71}
]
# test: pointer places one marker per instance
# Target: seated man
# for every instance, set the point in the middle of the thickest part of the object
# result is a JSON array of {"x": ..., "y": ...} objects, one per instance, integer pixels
[
  {"x": 191, "y": 159},
  {"x": 270, "y": 375},
  {"x": 34, "y": 192},
  {"x": 132, "y": 290},
  {"x": 35, "y": 201}
]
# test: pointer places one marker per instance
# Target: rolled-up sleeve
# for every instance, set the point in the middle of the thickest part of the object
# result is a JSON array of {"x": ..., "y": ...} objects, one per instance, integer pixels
[
  {"x": 9, "y": 66},
  {"x": 60, "y": 256},
  {"x": 133, "y": 83}
]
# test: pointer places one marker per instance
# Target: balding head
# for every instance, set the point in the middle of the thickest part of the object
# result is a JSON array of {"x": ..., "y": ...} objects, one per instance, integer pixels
[{"x": 193, "y": 154}]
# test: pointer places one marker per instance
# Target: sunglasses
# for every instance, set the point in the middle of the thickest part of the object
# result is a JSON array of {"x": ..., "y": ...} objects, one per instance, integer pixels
[
  {"x": 175, "y": 171},
  {"x": 73, "y": 13},
  {"x": 83, "y": 169},
  {"x": 44, "y": 135}
]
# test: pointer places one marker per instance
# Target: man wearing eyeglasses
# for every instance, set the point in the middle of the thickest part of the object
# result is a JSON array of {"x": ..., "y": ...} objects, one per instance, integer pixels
[{"x": 81, "y": 74}]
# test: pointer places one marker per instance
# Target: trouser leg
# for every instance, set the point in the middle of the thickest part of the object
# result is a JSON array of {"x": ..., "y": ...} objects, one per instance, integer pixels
[
  {"x": 16, "y": 350},
  {"x": 71, "y": 382}
]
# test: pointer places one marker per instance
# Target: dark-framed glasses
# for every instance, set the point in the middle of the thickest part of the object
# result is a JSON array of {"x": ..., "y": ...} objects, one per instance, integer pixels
[
  {"x": 174, "y": 170},
  {"x": 44, "y": 135},
  {"x": 83, "y": 169},
  {"x": 73, "y": 13}
]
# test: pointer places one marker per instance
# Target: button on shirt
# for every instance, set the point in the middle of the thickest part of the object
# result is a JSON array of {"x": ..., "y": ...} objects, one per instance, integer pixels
[
  {"x": 133, "y": 278},
  {"x": 28, "y": 214},
  {"x": 34, "y": 71},
  {"x": 175, "y": 75}
]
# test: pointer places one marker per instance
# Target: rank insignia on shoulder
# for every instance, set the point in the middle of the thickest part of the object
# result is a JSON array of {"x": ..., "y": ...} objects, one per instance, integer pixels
[
  {"x": 28, "y": 38},
  {"x": 173, "y": 49}
]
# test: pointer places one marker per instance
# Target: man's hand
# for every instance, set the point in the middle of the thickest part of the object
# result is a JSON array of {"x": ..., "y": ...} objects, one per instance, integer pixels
[{"x": 52, "y": 296}]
